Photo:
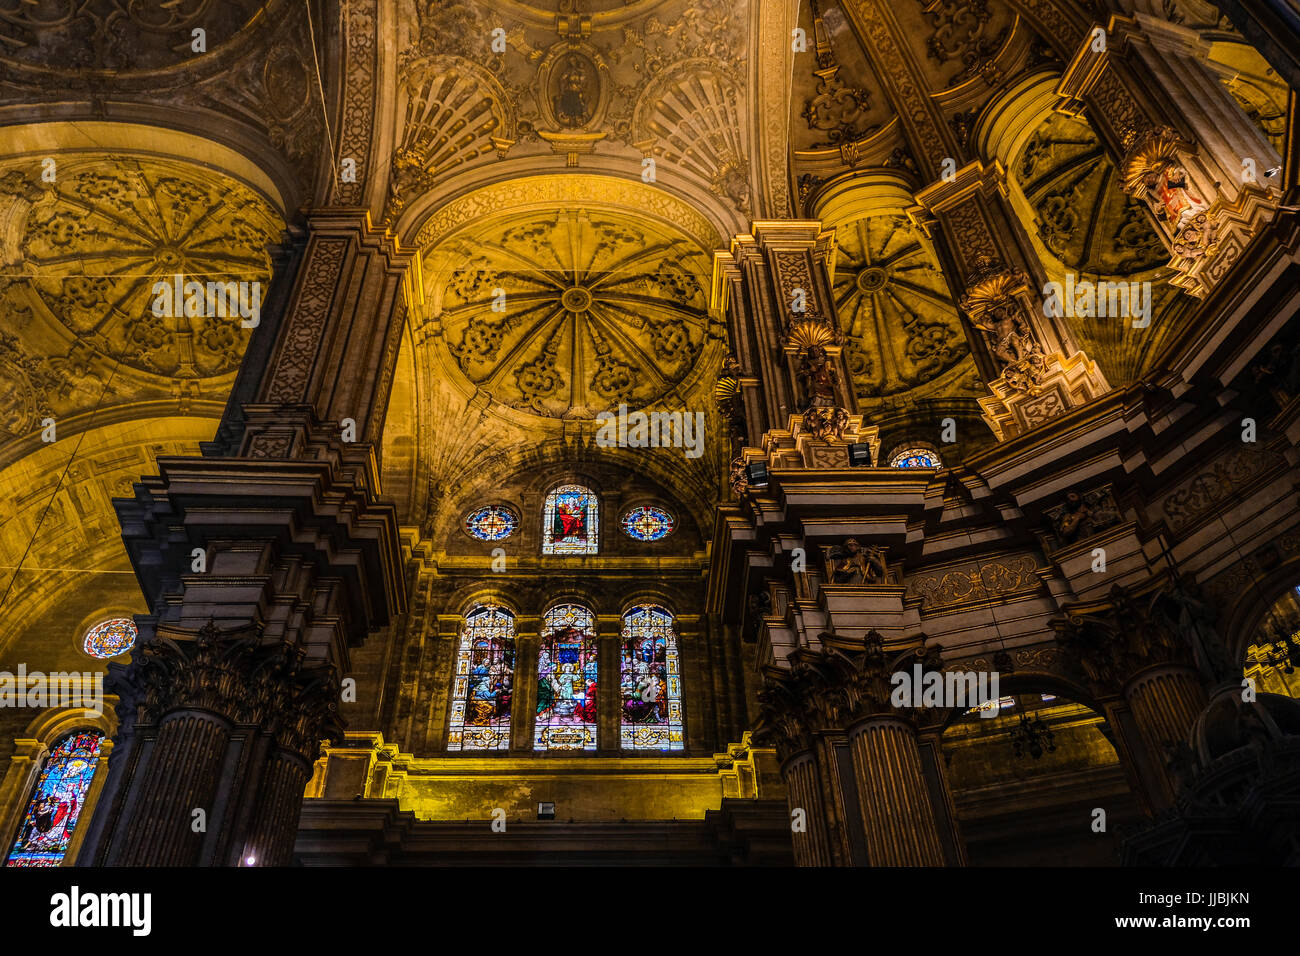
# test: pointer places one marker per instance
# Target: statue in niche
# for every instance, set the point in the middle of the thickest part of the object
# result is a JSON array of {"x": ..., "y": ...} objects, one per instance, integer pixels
[
  {"x": 851, "y": 563},
  {"x": 1012, "y": 344},
  {"x": 574, "y": 90},
  {"x": 1083, "y": 515},
  {"x": 1172, "y": 200},
  {"x": 817, "y": 378}
]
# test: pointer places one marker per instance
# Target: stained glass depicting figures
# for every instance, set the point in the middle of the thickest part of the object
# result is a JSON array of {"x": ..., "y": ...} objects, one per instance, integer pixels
[
  {"x": 482, "y": 689},
  {"x": 566, "y": 680},
  {"x": 647, "y": 523},
  {"x": 571, "y": 521},
  {"x": 651, "y": 681},
  {"x": 57, "y": 802},
  {"x": 110, "y": 638},
  {"x": 492, "y": 523},
  {"x": 915, "y": 458}
]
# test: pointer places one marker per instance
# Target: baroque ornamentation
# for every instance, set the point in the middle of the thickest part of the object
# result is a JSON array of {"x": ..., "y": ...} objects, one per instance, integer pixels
[
  {"x": 901, "y": 327},
  {"x": 1082, "y": 515},
  {"x": 973, "y": 583},
  {"x": 993, "y": 302},
  {"x": 1082, "y": 219},
  {"x": 571, "y": 314},
  {"x": 1112, "y": 646},
  {"x": 851, "y": 563},
  {"x": 95, "y": 244},
  {"x": 118, "y": 35},
  {"x": 1153, "y": 172},
  {"x": 1228, "y": 474},
  {"x": 233, "y": 675}
]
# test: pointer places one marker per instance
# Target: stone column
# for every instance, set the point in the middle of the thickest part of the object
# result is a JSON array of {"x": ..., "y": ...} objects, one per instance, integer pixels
[
  {"x": 263, "y": 562},
  {"x": 896, "y": 812},
  {"x": 609, "y": 699},
  {"x": 524, "y": 702},
  {"x": 1179, "y": 140},
  {"x": 895, "y": 801},
  {"x": 812, "y": 784},
  {"x": 225, "y": 728},
  {"x": 1127, "y": 649}
]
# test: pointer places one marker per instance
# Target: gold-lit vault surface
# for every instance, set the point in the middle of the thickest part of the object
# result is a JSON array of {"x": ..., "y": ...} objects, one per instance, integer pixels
[
  {"x": 572, "y": 312},
  {"x": 663, "y": 79},
  {"x": 900, "y": 324},
  {"x": 1081, "y": 212},
  {"x": 80, "y": 258}
]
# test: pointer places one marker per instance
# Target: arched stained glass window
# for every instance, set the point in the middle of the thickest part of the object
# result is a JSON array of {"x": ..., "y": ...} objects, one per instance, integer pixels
[
  {"x": 915, "y": 457},
  {"x": 57, "y": 801},
  {"x": 651, "y": 681},
  {"x": 571, "y": 521},
  {"x": 485, "y": 667},
  {"x": 492, "y": 523},
  {"x": 109, "y": 638},
  {"x": 566, "y": 680},
  {"x": 647, "y": 523}
]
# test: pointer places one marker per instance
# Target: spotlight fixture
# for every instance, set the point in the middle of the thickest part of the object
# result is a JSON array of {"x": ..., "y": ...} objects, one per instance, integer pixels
[
  {"x": 860, "y": 454},
  {"x": 546, "y": 811},
  {"x": 756, "y": 474}
]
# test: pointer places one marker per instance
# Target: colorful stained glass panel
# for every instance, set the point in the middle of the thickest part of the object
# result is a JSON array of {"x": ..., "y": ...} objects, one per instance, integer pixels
[
  {"x": 482, "y": 689},
  {"x": 566, "y": 680},
  {"x": 492, "y": 523},
  {"x": 57, "y": 802},
  {"x": 651, "y": 681},
  {"x": 915, "y": 458},
  {"x": 110, "y": 638},
  {"x": 571, "y": 521},
  {"x": 647, "y": 523}
]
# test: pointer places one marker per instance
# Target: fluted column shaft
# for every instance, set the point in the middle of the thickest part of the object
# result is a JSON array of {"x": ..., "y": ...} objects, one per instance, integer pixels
[
  {"x": 899, "y": 821},
  {"x": 812, "y": 846},
  {"x": 1165, "y": 701}
]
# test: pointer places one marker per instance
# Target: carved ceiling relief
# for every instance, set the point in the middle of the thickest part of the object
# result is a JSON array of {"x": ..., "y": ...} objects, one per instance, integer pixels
[
  {"x": 901, "y": 326},
  {"x": 835, "y": 99},
  {"x": 572, "y": 313},
  {"x": 1082, "y": 214},
  {"x": 964, "y": 37},
  {"x": 81, "y": 257},
  {"x": 116, "y": 34},
  {"x": 257, "y": 69},
  {"x": 661, "y": 80}
]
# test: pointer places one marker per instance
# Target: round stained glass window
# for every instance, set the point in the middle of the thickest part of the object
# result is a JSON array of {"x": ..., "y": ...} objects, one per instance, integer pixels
[
  {"x": 110, "y": 638},
  {"x": 492, "y": 523},
  {"x": 915, "y": 458},
  {"x": 647, "y": 523}
]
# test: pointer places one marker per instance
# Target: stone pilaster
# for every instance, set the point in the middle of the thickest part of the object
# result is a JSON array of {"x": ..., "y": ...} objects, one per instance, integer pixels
[
  {"x": 1179, "y": 139},
  {"x": 788, "y": 389},
  {"x": 1030, "y": 361},
  {"x": 253, "y": 610}
]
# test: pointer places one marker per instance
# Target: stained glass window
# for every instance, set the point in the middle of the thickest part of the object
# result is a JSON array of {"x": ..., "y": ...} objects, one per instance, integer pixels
[
  {"x": 492, "y": 523},
  {"x": 110, "y": 638},
  {"x": 915, "y": 458},
  {"x": 571, "y": 523},
  {"x": 566, "y": 680},
  {"x": 647, "y": 523},
  {"x": 57, "y": 801},
  {"x": 651, "y": 681},
  {"x": 481, "y": 694}
]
